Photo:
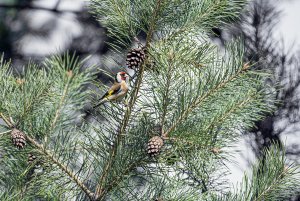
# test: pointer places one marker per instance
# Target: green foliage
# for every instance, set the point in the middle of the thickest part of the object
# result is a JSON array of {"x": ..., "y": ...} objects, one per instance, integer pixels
[
  {"x": 273, "y": 178},
  {"x": 125, "y": 19},
  {"x": 43, "y": 102},
  {"x": 197, "y": 97}
]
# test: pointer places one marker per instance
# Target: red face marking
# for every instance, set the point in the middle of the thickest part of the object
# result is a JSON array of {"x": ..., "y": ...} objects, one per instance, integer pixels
[{"x": 123, "y": 75}]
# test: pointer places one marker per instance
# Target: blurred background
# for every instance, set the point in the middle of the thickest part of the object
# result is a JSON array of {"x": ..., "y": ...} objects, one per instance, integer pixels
[{"x": 31, "y": 30}]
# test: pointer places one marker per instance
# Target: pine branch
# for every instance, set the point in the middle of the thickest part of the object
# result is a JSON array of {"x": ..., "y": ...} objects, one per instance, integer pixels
[
  {"x": 10, "y": 125},
  {"x": 238, "y": 106},
  {"x": 165, "y": 98},
  {"x": 270, "y": 188},
  {"x": 5, "y": 132},
  {"x": 116, "y": 181},
  {"x": 62, "y": 167},
  {"x": 272, "y": 179},
  {"x": 278, "y": 181},
  {"x": 50, "y": 155},
  {"x": 61, "y": 102},
  {"x": 100, "y": 192},
  {"x": 32, "y": 104},
  {"x": 198, "y": 101},
  {"x": 187, "y": 101},
  {"x": 212, "y": 13}
]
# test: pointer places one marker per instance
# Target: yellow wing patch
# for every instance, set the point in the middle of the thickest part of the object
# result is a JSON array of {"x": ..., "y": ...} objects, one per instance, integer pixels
[{"x": 109, "y": 93}]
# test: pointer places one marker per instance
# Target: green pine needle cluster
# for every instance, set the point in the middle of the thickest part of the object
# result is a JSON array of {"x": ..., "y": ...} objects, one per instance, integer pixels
[{"x": 195, "y": 96}]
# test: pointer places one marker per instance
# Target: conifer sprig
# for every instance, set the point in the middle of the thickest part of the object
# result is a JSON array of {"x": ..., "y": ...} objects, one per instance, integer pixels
[
  {"x": 43, "y": 89},
  {"x": 272, "y": 178}
]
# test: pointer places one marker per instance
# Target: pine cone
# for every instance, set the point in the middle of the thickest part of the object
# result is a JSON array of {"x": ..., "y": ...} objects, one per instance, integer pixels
[
  {"x": 135, "y": 57},
  {"x": 154, "y": 145},
  {"x": 18, "y": 138},
  {"x": 31, "y": 158}
]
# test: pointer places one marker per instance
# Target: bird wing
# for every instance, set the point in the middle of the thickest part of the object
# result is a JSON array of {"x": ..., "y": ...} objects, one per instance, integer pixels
[{"x": 116, "y": 88}]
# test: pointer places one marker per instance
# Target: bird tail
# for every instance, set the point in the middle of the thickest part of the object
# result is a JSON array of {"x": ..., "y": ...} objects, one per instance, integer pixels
[
  {"x": 101, "y": 101},
  {"x": 91, "y": 110}
]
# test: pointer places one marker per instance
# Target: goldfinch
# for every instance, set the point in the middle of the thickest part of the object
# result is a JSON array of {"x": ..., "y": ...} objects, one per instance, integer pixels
[{"x": 118, "y": 90}]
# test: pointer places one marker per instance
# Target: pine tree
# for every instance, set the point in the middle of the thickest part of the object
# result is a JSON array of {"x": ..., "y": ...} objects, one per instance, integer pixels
[{"x": 187, "y": 97}]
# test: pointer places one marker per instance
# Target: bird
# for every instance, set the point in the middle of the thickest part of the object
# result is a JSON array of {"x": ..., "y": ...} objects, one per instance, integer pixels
[{"x": 117, "y": 91}]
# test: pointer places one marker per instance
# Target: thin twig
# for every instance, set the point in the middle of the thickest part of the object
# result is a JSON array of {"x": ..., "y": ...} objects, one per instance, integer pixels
[
  {"x": 10, "y": 125},
  {"x": 63, "y": 97},
  {"x": 165, "y": 100},
  {"x": 233, "y": 109},
  {"x": 61, "y": 166},
  {"x": 261, "y": 196},
  {"x": 198, "y": 101},
  {"x": 5, "y": 132},
  {"x": 59, "y": 108}
]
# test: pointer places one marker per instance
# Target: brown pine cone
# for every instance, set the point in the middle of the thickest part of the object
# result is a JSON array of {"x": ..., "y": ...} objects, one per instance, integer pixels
[
  {"x": 18, "y": 138},
  {"x": 154, "y": 145},
  {"x": 135, "y": 57}
]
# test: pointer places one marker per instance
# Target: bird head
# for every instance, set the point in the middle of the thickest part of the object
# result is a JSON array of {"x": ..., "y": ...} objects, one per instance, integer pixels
[{"x": 120, "y": 76}]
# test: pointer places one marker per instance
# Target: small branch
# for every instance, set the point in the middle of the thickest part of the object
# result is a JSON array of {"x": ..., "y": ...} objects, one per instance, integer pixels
[
  {"x": 214, "y": 150},
  {"x": 29, "y": 106},
  {"x": 10, "y": 125},
  {"x": 198, "y": 101},
  {"x": 199, "y": 181},
  {"x": 165, "y": 101},
  {"x": 61, "y": 166},
  {"x": 58, "y": 110},
  {"x": 152, "y": 25},
  {"x": 3, "y": 133},
  {"x": 125, "y": 172},
  {"x": 264, "y": 192},
  {"x": 224, "y": 116},
  {"x": 53, "y": 159}
]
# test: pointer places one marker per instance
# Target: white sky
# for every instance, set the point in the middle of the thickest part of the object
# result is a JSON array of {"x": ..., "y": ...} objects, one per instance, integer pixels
[{"x": 289, "y": 26}]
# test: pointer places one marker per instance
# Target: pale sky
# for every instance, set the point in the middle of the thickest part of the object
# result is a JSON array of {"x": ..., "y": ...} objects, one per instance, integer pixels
[{"x": 289, "y": 26}]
